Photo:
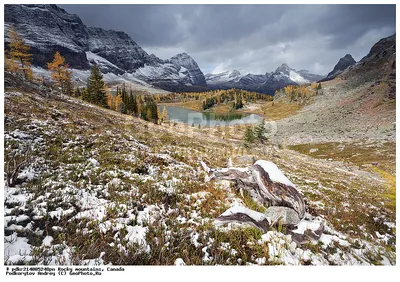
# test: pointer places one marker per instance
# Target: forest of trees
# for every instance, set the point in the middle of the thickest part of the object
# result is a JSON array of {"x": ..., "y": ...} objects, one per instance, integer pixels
[
  {"x": 211, "y": 98},
  {"x": 300, "y": 93}
]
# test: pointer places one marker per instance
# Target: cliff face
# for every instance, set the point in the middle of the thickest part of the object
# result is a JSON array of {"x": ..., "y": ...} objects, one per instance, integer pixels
[
  {"x": 193, "y": 71},
  {"x": 378, "y": 65},
  {"x": 48, "y": 28},
  {"x": 118, "y": 48}
]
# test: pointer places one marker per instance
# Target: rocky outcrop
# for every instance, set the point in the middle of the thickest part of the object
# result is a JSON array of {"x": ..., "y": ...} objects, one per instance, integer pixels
[
  {"x": 340, "y": 67},
  {"x": 266, "y": 185}
]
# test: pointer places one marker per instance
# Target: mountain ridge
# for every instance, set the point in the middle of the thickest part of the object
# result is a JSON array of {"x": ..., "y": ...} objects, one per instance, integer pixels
[
  {"x": 114, "y": 51},
  {"x": 265, "y": 83}
]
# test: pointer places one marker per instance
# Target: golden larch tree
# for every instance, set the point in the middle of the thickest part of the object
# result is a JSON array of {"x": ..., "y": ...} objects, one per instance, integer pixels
[
  {"x": 18, "y": 56},
  {"x": 110, "y": 100},
  {"x": 60, "y": 73},
  {"x": 164, "y": 115},
  {"x": 118, "y": 102}
]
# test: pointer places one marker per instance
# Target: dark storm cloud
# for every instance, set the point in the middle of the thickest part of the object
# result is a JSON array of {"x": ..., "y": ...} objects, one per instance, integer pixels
[{"x": 251, "y": 38}]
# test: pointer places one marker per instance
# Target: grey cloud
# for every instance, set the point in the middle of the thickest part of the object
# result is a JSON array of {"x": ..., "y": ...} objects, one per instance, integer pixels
[{"x": 251, "y": 38}]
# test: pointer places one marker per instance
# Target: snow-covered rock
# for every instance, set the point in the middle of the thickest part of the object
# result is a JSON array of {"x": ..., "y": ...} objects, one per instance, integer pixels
[{"x": 275, "y": 174}]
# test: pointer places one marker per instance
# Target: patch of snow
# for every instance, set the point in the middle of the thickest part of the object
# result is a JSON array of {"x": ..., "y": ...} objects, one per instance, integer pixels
[
  {"x": 16, "y": 249},
  {"x": 137, "y": 235},
  {"x": 206, "y": 257},
  {"x": 303, "y": 225},
  {"x": 261, "y": 260},
  {"x": 94, "y": 162},
  {"x": 60, "y": 212},
  {"x": 194, "y": 238},
  {"x": 27, "y": 174},
  {"x": 274, "y": 173},
  {"x": 97, "y": 213},
  {"x": 181, "y": 219},
  {"x": 294, "y": 76},
  {"x": 22, "y": 218},
  {"x": 47, "y": 241},
  {"x": 179, "y": 262},
  {"x": 240, "y": 209},
  {"x": 100, "y": 60}
]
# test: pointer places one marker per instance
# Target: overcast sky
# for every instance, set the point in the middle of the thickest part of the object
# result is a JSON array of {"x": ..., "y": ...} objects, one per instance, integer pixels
[{"x": 249, "y": 38}]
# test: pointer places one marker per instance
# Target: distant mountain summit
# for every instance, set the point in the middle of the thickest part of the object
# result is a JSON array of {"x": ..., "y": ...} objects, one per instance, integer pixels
[
  {"x": 234, "y": 79},
  {"x": 341, "y": 66},
  {"x": 378, "y": 65},
  {"x": 264, "y": 83},
  {"x": 48, "y": 28},
  {"x": 195, "y": 74},
  {"x": 285, "y": 75}
]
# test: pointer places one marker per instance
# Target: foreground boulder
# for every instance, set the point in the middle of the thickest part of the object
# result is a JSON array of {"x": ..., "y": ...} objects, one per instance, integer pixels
[{"x": 269, "y": 187}]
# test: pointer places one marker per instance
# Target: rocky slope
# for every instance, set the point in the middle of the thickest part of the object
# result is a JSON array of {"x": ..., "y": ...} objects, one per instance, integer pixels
[
  {"x": 341, "y": 66},
  {"x": 48, "y": 28},
  {"x": 98, "y": 187},
  {"x": 378, "y": 65},
  {"x": 359, "y": 104}
]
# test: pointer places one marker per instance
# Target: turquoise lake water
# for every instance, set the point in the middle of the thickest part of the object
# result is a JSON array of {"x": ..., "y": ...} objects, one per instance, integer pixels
[{"x": 209, "y": 118}]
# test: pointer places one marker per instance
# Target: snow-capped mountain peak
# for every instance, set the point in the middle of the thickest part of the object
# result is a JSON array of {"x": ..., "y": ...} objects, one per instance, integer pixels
[
  {"x": 235, "y": 74},
  {"x": 284, "y": 69},
  {"x": 285, "y": 75}
]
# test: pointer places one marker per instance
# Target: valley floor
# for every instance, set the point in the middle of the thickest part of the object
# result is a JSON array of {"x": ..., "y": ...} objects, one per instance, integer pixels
[{"x": 100, "y": 187}]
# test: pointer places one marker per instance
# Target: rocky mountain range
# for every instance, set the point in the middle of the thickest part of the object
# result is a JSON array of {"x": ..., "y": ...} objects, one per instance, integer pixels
[
  {"x": 264, "y": 83},
  {"x": 48, "y": 28},
  {"x": 234, "y": 79},
  {"x": 283, "y": 76}
]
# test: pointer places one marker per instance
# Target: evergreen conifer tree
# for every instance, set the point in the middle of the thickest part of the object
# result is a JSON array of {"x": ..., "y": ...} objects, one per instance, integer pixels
[
  {"x": 249, "y": 137},
  {"x": 96, "y": 87},
  {"x": 259, "y": 131}
]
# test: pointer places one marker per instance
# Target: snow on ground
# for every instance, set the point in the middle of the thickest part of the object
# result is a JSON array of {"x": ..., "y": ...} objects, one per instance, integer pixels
[
  {"x": 80, "y": 78},
  {"x": 100, "y": 60},
  {"x": 179, "y": 262},
  {"x": 128, "y": 197}
]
